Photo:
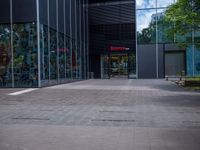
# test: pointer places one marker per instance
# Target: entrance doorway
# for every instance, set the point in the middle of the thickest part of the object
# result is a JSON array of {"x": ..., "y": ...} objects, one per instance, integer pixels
[
  {"x": 114, "y": 66},
  {"x": 119, "y": 65},
  {"x": 174, "y": 63}
]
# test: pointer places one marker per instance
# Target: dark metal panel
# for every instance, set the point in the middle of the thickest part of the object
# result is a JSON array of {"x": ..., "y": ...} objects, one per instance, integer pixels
[
  {"x": 173, "y": 47},
  {"x": 4, "y": 11},
  {"x": 161, "y": 49},
  {"x": 147, "y": 61},
  {"x": 67, "y": 16},
  {"x": 111, "y": 14},
  {"x": 73, "y": 22},
  {"x": 24, "y": 11},
  {"x": 52, "y": 13},
  {"x": 96, "y": 65},
  {"x": 60, "y": 16},
  {"x": 43, "y": 12}
]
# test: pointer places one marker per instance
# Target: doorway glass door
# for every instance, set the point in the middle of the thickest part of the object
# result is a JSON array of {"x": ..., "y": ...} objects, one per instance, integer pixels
[
  {"x": 119, "y": 65},
  {"x": 105, "y": 67}
]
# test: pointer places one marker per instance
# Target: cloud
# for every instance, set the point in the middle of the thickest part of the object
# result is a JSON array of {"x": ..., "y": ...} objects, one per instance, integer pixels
[
  {"x": 144, "y": 16},
  {"x": 152, "y": 3}
]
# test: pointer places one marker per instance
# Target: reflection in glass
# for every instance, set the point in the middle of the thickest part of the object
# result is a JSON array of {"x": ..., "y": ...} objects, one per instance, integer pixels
[
  {"x": 193, "y": 61},
  {"x": 74, "y": 63},
  {"x": 132, "y": 65},
  {"x": 44, "y": 55},
  {"x": 53, "y": 56},
  {"x": 78, "y": 64},
  {"x": 105, "y": 67},
  {"x": 164, "y": 3},
  {"x": 25, "y": 55},
  {"x": 62, "y": 58},
  {"x": 146, "y": 26},
  {"x": 141, "y": 4},
  {"x": 5, "y": 56},
  {"x": 163, "y": 28},
  {"x": 68, "y": 58}
]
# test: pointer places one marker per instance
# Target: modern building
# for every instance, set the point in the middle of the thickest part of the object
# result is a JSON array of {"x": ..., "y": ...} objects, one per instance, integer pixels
[
  {"x": 43, "y": 42},
  {"x": 112, "y": 26},
  {"x": 48, "y": 42}
]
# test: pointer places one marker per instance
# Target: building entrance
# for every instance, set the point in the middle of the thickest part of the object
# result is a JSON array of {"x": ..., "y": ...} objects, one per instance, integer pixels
[
  {"x": 119, "y": 66},
  {"x": 114, "y": 66}
]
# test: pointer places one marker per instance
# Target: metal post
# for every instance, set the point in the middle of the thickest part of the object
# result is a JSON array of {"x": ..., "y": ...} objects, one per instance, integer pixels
[
  {"x": 38, "y": 43},
  {"x": 11, "y": 43},
  {"x": 136, "y": 42},
  {"x": 65, "y": 47},
  {"x": 49, "y": 47},
  {"x": 157, "y": 65},
  {"x": 57, "y": 50},
  {"x": 71, "y": 45}
]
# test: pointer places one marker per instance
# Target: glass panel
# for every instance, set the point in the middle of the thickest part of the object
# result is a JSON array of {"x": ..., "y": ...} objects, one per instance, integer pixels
[
  {"x": 164, "y": 36},
  {"x": 132, "y": 65},
  {"x": 78, "y": 65},
  {"x": 74, "y": 63},
  {"x": 119, "y": 65},
  {"x": 5, "y": 56},
  {"x": 197, "y": 62},
  {"x": 25, "y": 55},
  {"x": 146, "y": 26},
  {"x": 44, "y": 55},
  {"x": 53, "y": 57},
  {"x": 197, "y": 52},
  {"x": 68, "y": 59},
  {"x": 141, "y": 4},
  {"x": 62, "y": 58},
  {"x": 164, "y": 3},
  {"x": 197, "y": 38},
  {"x": 105, "y": 67}
]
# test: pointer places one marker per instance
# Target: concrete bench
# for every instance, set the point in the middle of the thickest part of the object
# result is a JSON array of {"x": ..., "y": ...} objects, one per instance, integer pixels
[{"x": 180, "y": 78}]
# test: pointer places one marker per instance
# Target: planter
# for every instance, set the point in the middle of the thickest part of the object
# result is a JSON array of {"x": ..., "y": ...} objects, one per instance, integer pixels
[{"x": 192, "y": 83}]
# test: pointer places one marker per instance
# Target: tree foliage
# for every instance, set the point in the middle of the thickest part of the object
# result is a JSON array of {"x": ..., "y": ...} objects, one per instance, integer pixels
[{"x": 185, "y": 15}]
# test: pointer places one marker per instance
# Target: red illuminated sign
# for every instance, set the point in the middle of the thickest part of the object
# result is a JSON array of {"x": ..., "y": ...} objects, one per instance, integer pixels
[{"x": 119, "y": 48}]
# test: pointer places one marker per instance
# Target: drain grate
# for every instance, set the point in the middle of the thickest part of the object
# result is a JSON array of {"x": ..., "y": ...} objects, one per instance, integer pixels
[
  {"x": 112, "y": 120},
  {"x": 49, "y": 110},
  {"x": 113, "y": 111},
  {"x": 191, "y": 122},
  {"x": 19, "y": 118}
]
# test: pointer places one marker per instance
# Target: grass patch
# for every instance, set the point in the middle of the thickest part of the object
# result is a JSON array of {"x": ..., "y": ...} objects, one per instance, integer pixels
[{"x": 192, "y": 78}]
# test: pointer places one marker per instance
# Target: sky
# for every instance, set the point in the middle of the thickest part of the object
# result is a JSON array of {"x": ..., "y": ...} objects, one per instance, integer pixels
[{"x": 144, "y": 16}]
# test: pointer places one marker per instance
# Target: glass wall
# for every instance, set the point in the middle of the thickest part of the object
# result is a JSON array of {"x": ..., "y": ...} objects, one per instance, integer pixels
[
  {"x": 153, "y": 29},
  {"x": 60, "y": 56},
  {"x": 5, "y": 56},
  {"x": 18, "y": 68},
  {"x": 68, "y": 59},
  {"x": 25, "y": 63},
  {"x": 59, "y": 63},
  {"x": 45, "y": 55}
]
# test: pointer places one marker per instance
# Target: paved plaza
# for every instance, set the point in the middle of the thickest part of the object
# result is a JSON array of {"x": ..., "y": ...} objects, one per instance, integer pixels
[{"x": 115, "y": 114}]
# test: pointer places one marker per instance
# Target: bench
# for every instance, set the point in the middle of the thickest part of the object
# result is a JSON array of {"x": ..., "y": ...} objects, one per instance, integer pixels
[{"x": 175, "y": 77}]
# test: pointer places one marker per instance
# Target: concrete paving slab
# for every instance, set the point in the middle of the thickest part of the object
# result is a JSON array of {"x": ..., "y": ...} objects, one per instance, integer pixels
[{"x": 114, "y": 114}]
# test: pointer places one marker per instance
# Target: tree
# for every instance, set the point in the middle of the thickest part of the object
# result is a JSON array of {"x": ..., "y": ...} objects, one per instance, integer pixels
[
  {"x": 185, "y": 14},
  {"x": 147, "y": 35}
]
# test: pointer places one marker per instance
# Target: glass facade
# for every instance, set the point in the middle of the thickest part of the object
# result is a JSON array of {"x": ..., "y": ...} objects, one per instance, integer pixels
[
  {"x": 25, "y": 64},
  {"x": 5, "y": 56},
  {"x": 18, "y": 63},
  {"x": 42, "y": 53},
  {"x": 112, "y": 32},
  {"x": 152, "y": 30},
  {"x": 151, "y": 27}
]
